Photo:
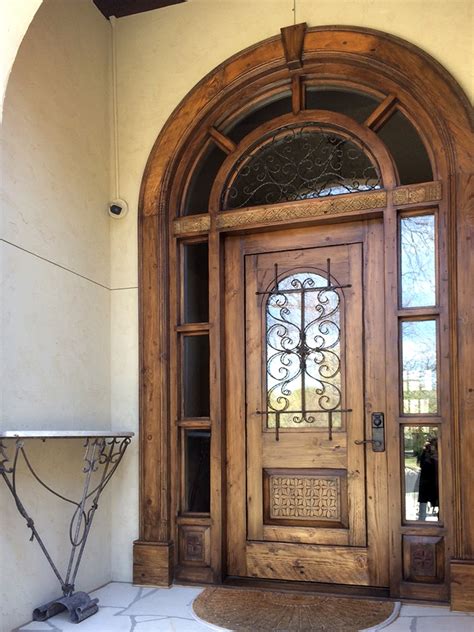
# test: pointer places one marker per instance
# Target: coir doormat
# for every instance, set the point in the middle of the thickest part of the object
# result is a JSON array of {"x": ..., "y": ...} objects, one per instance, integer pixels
[{"x": 269, "y": 611}]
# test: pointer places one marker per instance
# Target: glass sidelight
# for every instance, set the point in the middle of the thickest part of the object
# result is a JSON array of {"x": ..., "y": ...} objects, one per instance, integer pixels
[
  {"x": 420, "y": 446},
  {"x": 195, "y": 283},
  {"x": 417, "y": 260},
  {"x": 197, "y": 471},
  {"x": 195, "y": 376},
  {"x": 419, "y": 367}
]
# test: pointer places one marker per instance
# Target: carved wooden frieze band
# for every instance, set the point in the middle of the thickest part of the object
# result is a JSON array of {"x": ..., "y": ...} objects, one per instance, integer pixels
[
  {"x": 192, "y": 224},
  {"x": 336, "y": 205},
  {"x": 416, "y": 194}
]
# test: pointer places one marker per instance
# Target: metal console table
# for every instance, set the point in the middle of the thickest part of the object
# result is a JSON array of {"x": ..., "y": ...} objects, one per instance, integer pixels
[{"x": 103, "y": 452}]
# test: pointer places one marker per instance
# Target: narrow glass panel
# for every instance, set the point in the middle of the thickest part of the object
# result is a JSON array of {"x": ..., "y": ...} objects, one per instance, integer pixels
[
  {"x": 419, "y": 367},
  {"x": 303, "y": 353},
  {"x": 197, "y": 199},
  {"x": 196, "y": 283},
  {"x": 197, "y": 470},
  {"x": 252, "y": 120},
  {"x": 420, "y": 463},
  {"x": 196, "y": 376},
  {"x": 354, "y": 104},
  {"x": 407, "y": 149},
  {"x": 418, "y": 270}
]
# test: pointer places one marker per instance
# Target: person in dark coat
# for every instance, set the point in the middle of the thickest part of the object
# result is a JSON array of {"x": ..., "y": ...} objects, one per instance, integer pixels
[{"x": 428, "y": 491}]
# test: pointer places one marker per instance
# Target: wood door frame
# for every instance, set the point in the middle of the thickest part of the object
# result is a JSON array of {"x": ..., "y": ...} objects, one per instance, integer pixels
[{"x": 359, "y": 58}]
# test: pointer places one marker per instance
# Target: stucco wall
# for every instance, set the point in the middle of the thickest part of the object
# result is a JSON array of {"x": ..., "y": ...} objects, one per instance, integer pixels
[
  {"x": 69, "y": 280},
  {"x": 55, "y": 256},
  {"x": 162, "y": 55}
]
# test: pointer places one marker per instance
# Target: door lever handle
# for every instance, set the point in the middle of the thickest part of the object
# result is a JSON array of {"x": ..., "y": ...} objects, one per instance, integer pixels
[
  {"x": 374, "y": 441},
  {"x": 378, "y": 433}
]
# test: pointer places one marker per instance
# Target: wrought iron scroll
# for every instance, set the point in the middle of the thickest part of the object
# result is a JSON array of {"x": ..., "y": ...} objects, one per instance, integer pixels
[
  {"x": 298, "y": 162},
  {"x": 303, "y": 358},
  {"x": 101, "y": 459}
]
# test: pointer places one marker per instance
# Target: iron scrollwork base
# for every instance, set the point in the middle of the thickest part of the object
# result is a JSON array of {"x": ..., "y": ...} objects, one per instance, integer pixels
[
  {"x": 79, "y": 605},
  {"x": 102, "y": 457}
]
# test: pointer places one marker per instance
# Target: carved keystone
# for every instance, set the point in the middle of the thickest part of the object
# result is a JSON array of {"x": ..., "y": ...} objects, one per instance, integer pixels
[{"x": 292, "y": 39}]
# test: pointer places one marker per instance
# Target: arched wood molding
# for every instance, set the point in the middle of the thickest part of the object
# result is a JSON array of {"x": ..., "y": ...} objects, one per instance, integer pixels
[{"x": 373, "y": 61}]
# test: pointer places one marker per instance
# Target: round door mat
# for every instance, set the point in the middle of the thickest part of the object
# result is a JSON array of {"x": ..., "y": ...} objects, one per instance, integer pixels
[{"x": 268, "y": 611}]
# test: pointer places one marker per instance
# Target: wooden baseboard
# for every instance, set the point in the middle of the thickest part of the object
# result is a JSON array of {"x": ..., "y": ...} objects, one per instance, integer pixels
[
  {"x": 152, "y": 563},
  {"x": 462, "y": 585}
]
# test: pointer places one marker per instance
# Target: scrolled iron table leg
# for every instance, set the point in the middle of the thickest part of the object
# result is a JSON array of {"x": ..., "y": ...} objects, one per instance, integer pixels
[{"x": 102, "y": 456}]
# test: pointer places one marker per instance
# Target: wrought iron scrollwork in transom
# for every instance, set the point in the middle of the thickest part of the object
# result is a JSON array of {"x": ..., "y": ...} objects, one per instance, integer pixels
[
  {"x": 298, "y": 162},
  {"x": 303, "y": 352}
]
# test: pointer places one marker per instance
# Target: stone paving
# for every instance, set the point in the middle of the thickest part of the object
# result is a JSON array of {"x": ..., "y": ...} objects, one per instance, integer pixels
[{"x": 127, "y": 608}]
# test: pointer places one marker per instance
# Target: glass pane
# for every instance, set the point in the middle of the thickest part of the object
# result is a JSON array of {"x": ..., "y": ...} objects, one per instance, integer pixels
[
  {"x": 197, "y": 199},
  {"x": 420, "y": 462},
  {"x": 196, "y": 376},
  {"x": 417, "y": 245},
  {"x": 407, "y": 149},
  {"x": 303, "y": 353},
  {"x": 198, "y": 470},
  {"x": 354, "y": 104},
  {"x": 252, "y": 120},
  {"x": 299, "y": 162},
  {"x": 196, "y": 283},
  {"x": 419, "y": 367}
]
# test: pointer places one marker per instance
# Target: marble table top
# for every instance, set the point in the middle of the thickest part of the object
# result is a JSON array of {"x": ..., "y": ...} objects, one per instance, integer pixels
[{"x": 63, "y": 434}]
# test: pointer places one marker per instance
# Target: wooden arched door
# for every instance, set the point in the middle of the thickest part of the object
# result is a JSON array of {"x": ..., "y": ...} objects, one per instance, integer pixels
[{"x": 299, "y": 347}]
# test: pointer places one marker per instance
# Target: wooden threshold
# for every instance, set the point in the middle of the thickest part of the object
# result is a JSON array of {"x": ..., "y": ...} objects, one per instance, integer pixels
[{"x": 363, "y": 592}]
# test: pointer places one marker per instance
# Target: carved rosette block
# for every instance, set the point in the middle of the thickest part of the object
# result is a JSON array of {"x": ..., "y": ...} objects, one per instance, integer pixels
[
  {"x": 417, "y": 194},
  {"x": 194, "y": 545},
  {"x": 423, "y": 559}
]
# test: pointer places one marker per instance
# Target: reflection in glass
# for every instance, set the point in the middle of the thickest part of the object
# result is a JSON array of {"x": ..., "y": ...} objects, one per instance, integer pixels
[
  {"x": 407, "y": 149},
  {"x": 266, "y": 112},
  {"x": 195, "y": 376},
  {"x": 197, "y": 198},
  {"x": 420, "y": 462},
  {"x": 198, "y": 470},
  {"x": 354, "y": 104},
  {"x": 417, "y": 245},
  {"x": 196, "y": 283},
  {"x": 419, "y": 369},
  {"x": 303, "y": 353}
]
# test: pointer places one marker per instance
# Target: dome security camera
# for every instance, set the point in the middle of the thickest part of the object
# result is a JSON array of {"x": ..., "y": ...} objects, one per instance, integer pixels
[{"x": 118, "y": 208}]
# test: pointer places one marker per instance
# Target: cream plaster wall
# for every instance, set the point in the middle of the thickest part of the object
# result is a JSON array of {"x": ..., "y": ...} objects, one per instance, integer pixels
[
  {"x": 69, "y": 274},
  {"x": 15, "y": 17},
  {"x": 56, "y": 304},
  {"x": 161, "y": 56}
]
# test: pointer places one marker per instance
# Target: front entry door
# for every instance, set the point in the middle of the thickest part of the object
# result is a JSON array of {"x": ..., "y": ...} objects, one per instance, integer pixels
[{"x": 307, "y": 490}]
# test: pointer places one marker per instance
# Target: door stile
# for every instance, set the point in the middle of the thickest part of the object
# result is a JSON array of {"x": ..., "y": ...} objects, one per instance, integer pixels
[
  {"x": 392, "y": 395},
  {"x": 216, "y": 383},
  {"x": 235, "y": 408},
  {"x": 355, "y": 386},
  {"x": 375, "y": 398}
]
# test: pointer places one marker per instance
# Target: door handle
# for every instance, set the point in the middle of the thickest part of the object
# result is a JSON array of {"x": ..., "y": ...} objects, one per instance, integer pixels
[
  {"x": 378, "y": 433},
  {"x": 362, "y": 441}
]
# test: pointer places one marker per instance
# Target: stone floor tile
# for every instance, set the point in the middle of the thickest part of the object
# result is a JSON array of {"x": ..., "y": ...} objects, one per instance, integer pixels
[
  {"x": 106, "y": 620},
  {"x": 172, "y": 624},
  {"x": 445, "y": 624},
  {"x": 168, "y": 602},
  {"x": 37, "y": 626},
  {"x": 418, "y": 610},
  {"x": 402, "y": 624},
  {"x": 116, "y": 594}
]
